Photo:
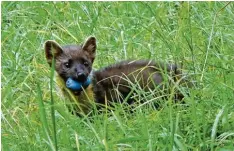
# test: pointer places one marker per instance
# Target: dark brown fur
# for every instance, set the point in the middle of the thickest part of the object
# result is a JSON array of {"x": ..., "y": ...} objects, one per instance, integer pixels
[
  {"x": 72, "y": 60},
  {"x": 147, "y": 75}
]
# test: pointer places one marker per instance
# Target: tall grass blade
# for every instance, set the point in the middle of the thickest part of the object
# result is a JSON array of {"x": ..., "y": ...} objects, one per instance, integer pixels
[
  {"x": 214, "y": 128},
  {"x": 52, "y": 105},
  {"x": 43, "y": 118}
]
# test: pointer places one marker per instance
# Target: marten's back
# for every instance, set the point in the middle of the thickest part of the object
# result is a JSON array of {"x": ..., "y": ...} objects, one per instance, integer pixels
[{"x": 146, "y": 74}]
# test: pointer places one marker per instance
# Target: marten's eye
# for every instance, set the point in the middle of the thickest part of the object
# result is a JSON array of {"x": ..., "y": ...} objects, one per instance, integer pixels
[
  {"x": 68, "y": 64},
  {"x": 86, "y": 63}
]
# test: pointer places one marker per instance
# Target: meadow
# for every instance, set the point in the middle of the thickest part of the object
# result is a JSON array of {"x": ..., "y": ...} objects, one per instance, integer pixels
[{"x": 199, "y": 35}]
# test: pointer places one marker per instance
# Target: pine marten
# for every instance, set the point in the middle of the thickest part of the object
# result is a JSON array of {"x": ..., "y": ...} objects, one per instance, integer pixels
[{"x": 73, "y": 64}]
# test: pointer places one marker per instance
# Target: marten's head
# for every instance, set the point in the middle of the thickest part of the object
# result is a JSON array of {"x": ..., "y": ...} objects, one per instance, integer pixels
[{"x": 72, "y": 61}]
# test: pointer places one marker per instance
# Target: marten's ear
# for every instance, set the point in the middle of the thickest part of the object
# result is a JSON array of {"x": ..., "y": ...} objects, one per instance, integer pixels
[
  {"x": 52, "y": 48},
  {"x": 90, "y": 47}
]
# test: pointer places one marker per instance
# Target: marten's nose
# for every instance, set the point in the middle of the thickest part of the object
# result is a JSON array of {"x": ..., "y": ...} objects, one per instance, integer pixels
[{"x": 81, "y": 77}]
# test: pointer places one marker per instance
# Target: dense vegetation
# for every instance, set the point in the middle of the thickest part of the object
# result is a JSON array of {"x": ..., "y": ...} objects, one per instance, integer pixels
[{"x": 198, "y": 35}]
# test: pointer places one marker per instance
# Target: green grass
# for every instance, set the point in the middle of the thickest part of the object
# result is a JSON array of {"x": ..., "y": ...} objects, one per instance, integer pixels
[{"x": 198, "y": 35}]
